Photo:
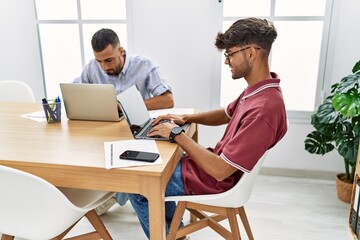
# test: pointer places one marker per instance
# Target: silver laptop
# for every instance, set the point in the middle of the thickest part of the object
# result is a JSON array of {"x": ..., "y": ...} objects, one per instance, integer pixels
[
  {"x": 95, "y": 102},
  {"x": 136, "y": 113}
]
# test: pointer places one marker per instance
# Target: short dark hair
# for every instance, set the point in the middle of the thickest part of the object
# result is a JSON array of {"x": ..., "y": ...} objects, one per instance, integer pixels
[
  {"x": 102, "y": 38},
  {"x": 247, "y": 31}
]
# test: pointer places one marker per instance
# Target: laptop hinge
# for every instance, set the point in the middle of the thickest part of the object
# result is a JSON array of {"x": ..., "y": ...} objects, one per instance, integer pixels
[{"x": 135, "y": 128}]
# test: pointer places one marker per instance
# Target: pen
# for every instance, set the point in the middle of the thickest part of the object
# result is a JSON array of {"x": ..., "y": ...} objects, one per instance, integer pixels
[
  {"x": 52, "y": 104},
  {"x": 57, "y": 108},
  {"x": 48, "y": 110}
]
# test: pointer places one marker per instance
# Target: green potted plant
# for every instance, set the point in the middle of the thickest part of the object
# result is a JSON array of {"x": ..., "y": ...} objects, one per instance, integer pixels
[{"x": 337, "y": 125}]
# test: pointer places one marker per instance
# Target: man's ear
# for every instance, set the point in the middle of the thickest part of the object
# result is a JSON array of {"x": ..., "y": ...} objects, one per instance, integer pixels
[
  {"x": 253, "y": 53},
  {"x": 121, "y": 51}
]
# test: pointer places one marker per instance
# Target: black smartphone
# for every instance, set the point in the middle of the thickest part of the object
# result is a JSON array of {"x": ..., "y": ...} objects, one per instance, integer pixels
[{"x": 139, "y": 156}]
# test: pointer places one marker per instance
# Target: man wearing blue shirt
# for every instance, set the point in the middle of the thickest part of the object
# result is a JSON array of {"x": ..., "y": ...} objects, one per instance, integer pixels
[{"x": 113, "y": 66}]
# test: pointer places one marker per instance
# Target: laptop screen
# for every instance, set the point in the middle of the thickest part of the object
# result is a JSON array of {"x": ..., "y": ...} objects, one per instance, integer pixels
[{"x": 133, "y": 107}]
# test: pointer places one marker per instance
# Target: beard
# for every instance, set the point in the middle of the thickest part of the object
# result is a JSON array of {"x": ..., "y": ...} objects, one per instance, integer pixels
[
  {"x": 115, "y": 71},
  {"x": 111, "y": 72},
  {"x": 240, "y": 70}
]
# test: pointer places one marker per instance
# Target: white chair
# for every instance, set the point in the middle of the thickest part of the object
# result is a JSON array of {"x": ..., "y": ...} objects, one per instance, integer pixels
[
  {"x": 32, "y": 208},
  {"x": 15, "y": 91},
  {"x": 224, "y": 205}
]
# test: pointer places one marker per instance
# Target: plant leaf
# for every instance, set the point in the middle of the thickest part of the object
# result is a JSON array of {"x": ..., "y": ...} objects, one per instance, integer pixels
[
  {"x": 347, "y": 143},
  {"x": 318, "y": 143},
  {"x": 325, "y": 113},
  {"x": 355, "y": 121},
  {"x": 356, "y": 67},
  {"x": 347, "y": 103},
  {"x": 347, "y": 83}
]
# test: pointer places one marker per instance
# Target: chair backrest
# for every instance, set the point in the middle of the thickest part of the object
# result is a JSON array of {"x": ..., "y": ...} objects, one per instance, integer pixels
[
  {"x": 235, "y": 197},
  {"x": 241, "y": 192},
  {"x": 15, "y": 91},
  {"x": 32, "y": 208}
]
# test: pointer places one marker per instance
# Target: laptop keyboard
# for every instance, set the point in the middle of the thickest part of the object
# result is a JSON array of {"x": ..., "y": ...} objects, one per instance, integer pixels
[{"x": 144, "y": 133}]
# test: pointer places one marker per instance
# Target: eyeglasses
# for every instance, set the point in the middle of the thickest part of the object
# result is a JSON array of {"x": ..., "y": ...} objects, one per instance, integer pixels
[{"x": 228, "y": 55}]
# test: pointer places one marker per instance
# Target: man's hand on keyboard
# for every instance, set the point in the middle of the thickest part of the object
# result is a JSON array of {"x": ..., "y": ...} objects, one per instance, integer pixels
[
  {"x": 177, "y": 119},
  {"x": 162, "y": 129}
]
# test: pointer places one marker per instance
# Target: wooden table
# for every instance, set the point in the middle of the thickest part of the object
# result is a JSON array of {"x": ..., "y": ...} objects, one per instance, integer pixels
[{"x": 71, "y": 154}]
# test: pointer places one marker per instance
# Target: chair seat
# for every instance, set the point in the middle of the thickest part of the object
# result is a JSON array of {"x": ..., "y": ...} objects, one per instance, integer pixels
[
  {"x": 28, "y": 203},
  {"x": 226, "y": 205}
]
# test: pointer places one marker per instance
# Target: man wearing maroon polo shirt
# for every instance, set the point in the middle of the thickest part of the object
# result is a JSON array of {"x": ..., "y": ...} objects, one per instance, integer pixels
[{"x": 256, "y": 121}]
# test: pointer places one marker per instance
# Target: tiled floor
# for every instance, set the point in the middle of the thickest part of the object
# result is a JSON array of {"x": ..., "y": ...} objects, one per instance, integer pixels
[{"x": 280, "y": 208}]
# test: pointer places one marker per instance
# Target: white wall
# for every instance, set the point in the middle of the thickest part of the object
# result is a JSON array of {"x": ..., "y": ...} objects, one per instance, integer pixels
[
  {"x": 347, "y": 39},
  {"x": 179, "y": 35},
  {"x": 19, "y": 46}
]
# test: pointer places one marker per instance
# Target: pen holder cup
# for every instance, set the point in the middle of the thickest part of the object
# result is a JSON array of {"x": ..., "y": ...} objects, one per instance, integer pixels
[{"x": 52, "y": 111}]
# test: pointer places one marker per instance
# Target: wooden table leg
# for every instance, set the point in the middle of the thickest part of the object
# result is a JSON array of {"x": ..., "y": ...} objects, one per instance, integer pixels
[{"x": 156, "y": 198}]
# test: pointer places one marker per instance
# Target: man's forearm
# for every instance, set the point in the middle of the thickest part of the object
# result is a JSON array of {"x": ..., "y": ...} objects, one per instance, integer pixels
[
  {"x": 164, "y": 100},
  {"x": 210, "y": 118}
]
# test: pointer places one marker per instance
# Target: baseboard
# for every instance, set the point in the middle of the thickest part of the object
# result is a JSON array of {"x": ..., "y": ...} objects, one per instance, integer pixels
[{"x": 298, "y": 173}]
